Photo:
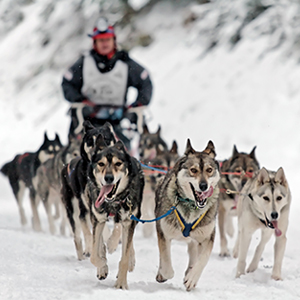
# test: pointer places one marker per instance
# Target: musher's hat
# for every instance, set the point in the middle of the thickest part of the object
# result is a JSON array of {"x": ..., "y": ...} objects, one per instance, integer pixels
[{"x": 102, "y": 30}]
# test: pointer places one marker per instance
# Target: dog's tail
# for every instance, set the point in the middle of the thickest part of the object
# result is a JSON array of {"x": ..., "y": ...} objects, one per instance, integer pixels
[{"x": 6, "y": 168}]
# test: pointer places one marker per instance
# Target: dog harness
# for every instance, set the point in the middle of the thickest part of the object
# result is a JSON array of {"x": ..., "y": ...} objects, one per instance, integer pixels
[
  {"x": 187, "y": 227},
  {"x": 20, "y": 158}
]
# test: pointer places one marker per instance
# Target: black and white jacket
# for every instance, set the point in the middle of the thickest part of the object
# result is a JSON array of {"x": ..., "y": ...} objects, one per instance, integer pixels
[{"x": 105, "y": 81}]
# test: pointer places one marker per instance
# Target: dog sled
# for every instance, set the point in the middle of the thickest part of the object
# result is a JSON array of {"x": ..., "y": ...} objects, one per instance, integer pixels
[{"x": 128, "y": 129}]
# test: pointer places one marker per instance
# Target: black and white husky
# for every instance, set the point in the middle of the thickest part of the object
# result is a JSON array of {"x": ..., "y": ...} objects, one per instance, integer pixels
[
  {"x": 22, "y": 174},
  {"x": 115, "y": 187}
]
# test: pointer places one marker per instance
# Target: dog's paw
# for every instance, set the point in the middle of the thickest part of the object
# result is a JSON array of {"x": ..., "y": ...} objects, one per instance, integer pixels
[
  {"x": 23, "y": 220},
  {"x": 251, "y": 268},
  {"x": 164, "y": 276},
  {"x": 239, "y": 274},
  {"x": 36, "y": 225},
  {"x": 235, "y": 253},
  {"x": 86, "y": 253},
  {"x": 276, "y": 277},
  {"x": 224, "y": 253},
  {"x": 121, "y": 284},
  {"x": 102, "y": 272},
  {"x": 160, "y": 278},
  {"x": 190, "y": 280}
]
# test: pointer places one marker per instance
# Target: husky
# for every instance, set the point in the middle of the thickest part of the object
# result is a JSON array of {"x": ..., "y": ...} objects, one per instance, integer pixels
[
  {"x": 150, "y": 145},
  {"x": 235, "y": 173},
  {"x": 264, "y": 204},
  {"x": 150, "y": 142},
  {"x": 188, "y": 194},
  {"x": 73, "y": 184},
  {"x": 164, "y": 160},
  {"x": 22, "y": 171},
  {"x": 49, "y": 181},
  {"x": 115, "y": 187}
]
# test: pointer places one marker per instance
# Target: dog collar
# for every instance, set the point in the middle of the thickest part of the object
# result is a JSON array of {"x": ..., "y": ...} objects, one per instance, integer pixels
[
  {"x": 187, "y": 227},
  {"x": 267, "y": 223},
  {"x": 189, "y": 202}
]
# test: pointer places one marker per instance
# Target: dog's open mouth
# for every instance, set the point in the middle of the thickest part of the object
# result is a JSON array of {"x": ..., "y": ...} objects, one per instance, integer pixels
[
  {"x": 107, "y": 193},
  {"x": 201, "y": 197},
  {"x": 274, "y": 224}
]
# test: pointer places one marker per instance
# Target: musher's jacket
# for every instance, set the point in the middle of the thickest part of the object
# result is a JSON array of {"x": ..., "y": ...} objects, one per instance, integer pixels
[{"x": 105, "y": 81}]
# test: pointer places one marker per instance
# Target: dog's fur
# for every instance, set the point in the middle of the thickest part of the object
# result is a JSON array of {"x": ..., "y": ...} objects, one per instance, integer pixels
[
  {"x": 22, "y": 174},
  {"x": 74, "y": 179},
  {"x": 164, "y": 160},
  {"x": 149, "y": 143},
  {"x": 264, "y": 204},
  {"x": 115, "y": 186},
  {"x": 49, "y": 181},
  {"x": 235, "y": 173},
  {"x": 191, "y": 186}
]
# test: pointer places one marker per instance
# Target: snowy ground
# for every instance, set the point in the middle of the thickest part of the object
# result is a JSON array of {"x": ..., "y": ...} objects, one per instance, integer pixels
[{"x": 229, "y": 97}]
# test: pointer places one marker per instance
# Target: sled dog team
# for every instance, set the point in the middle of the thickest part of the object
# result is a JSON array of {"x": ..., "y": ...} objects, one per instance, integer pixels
[{"x": 94, "y": 178}]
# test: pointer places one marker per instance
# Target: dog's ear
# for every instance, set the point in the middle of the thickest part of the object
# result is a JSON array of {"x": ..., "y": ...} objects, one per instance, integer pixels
[
  {"x": 57, "y": 139},
  {"x": 252, "y": 153},
  {"x": 145, "y": 129},
  {"x": 46, "y": 136},
  {"x": 174, "y": 149},
  {"x": 120, "y": 146},
  {"x": 110, "y": 127},
  {"x": 189, "y": 149},
  {"x": 87, "y": 125},
  {"x": 158, "y": 130},
  {"x": 210, "y": 149},
  {"x": 280, "y": 177},
  {"x": 263, "y": 176},
  {"x": 235, "y": 151}
]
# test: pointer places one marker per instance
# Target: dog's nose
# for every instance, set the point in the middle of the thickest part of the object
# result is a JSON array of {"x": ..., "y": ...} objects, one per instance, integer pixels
[
  {"x": 203, "y": 186},
  {"x": 274, "y": 215},
  {"x": 109, "y": 178}
]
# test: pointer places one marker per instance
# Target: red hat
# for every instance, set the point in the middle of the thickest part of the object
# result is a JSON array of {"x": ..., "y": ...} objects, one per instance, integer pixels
[{"x": 102, "y": 30}]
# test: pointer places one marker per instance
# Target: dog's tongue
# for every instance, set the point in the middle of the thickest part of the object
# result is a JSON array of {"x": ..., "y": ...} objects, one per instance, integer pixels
[
  {"x": 106, "y": 189},
  {"x": 207, "y": 194},
  {"x": 236, "y": 198},
  {"x": 151, "y": 154},
  {"x": 277, "y": 230}
]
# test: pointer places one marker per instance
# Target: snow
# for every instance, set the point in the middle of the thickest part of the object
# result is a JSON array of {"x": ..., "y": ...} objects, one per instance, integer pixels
[{"x": 241, "y": 96}]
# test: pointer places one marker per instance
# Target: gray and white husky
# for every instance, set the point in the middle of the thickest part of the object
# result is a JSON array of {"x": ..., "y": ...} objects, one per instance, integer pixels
[
  {"x": 191, "y": 189},
  {"x": 264, "y": 204}
]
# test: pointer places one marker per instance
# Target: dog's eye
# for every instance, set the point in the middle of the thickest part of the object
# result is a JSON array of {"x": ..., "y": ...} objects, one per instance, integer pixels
[
  {"x": 193, "y": 170},
  {"x": 209, "y": 170},
  {"x": 278, "y": 198},
  {"x": 250, "y": 171},
  {"x": 266, "y": 198},
  {"x": 101, "y": 164},
  {"x": 238, "y": 172},
  {"x": 118, "y": 164}
]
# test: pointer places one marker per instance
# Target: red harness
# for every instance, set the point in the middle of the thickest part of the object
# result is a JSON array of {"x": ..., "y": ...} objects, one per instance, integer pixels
[{"x": 20, "y": 158}]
